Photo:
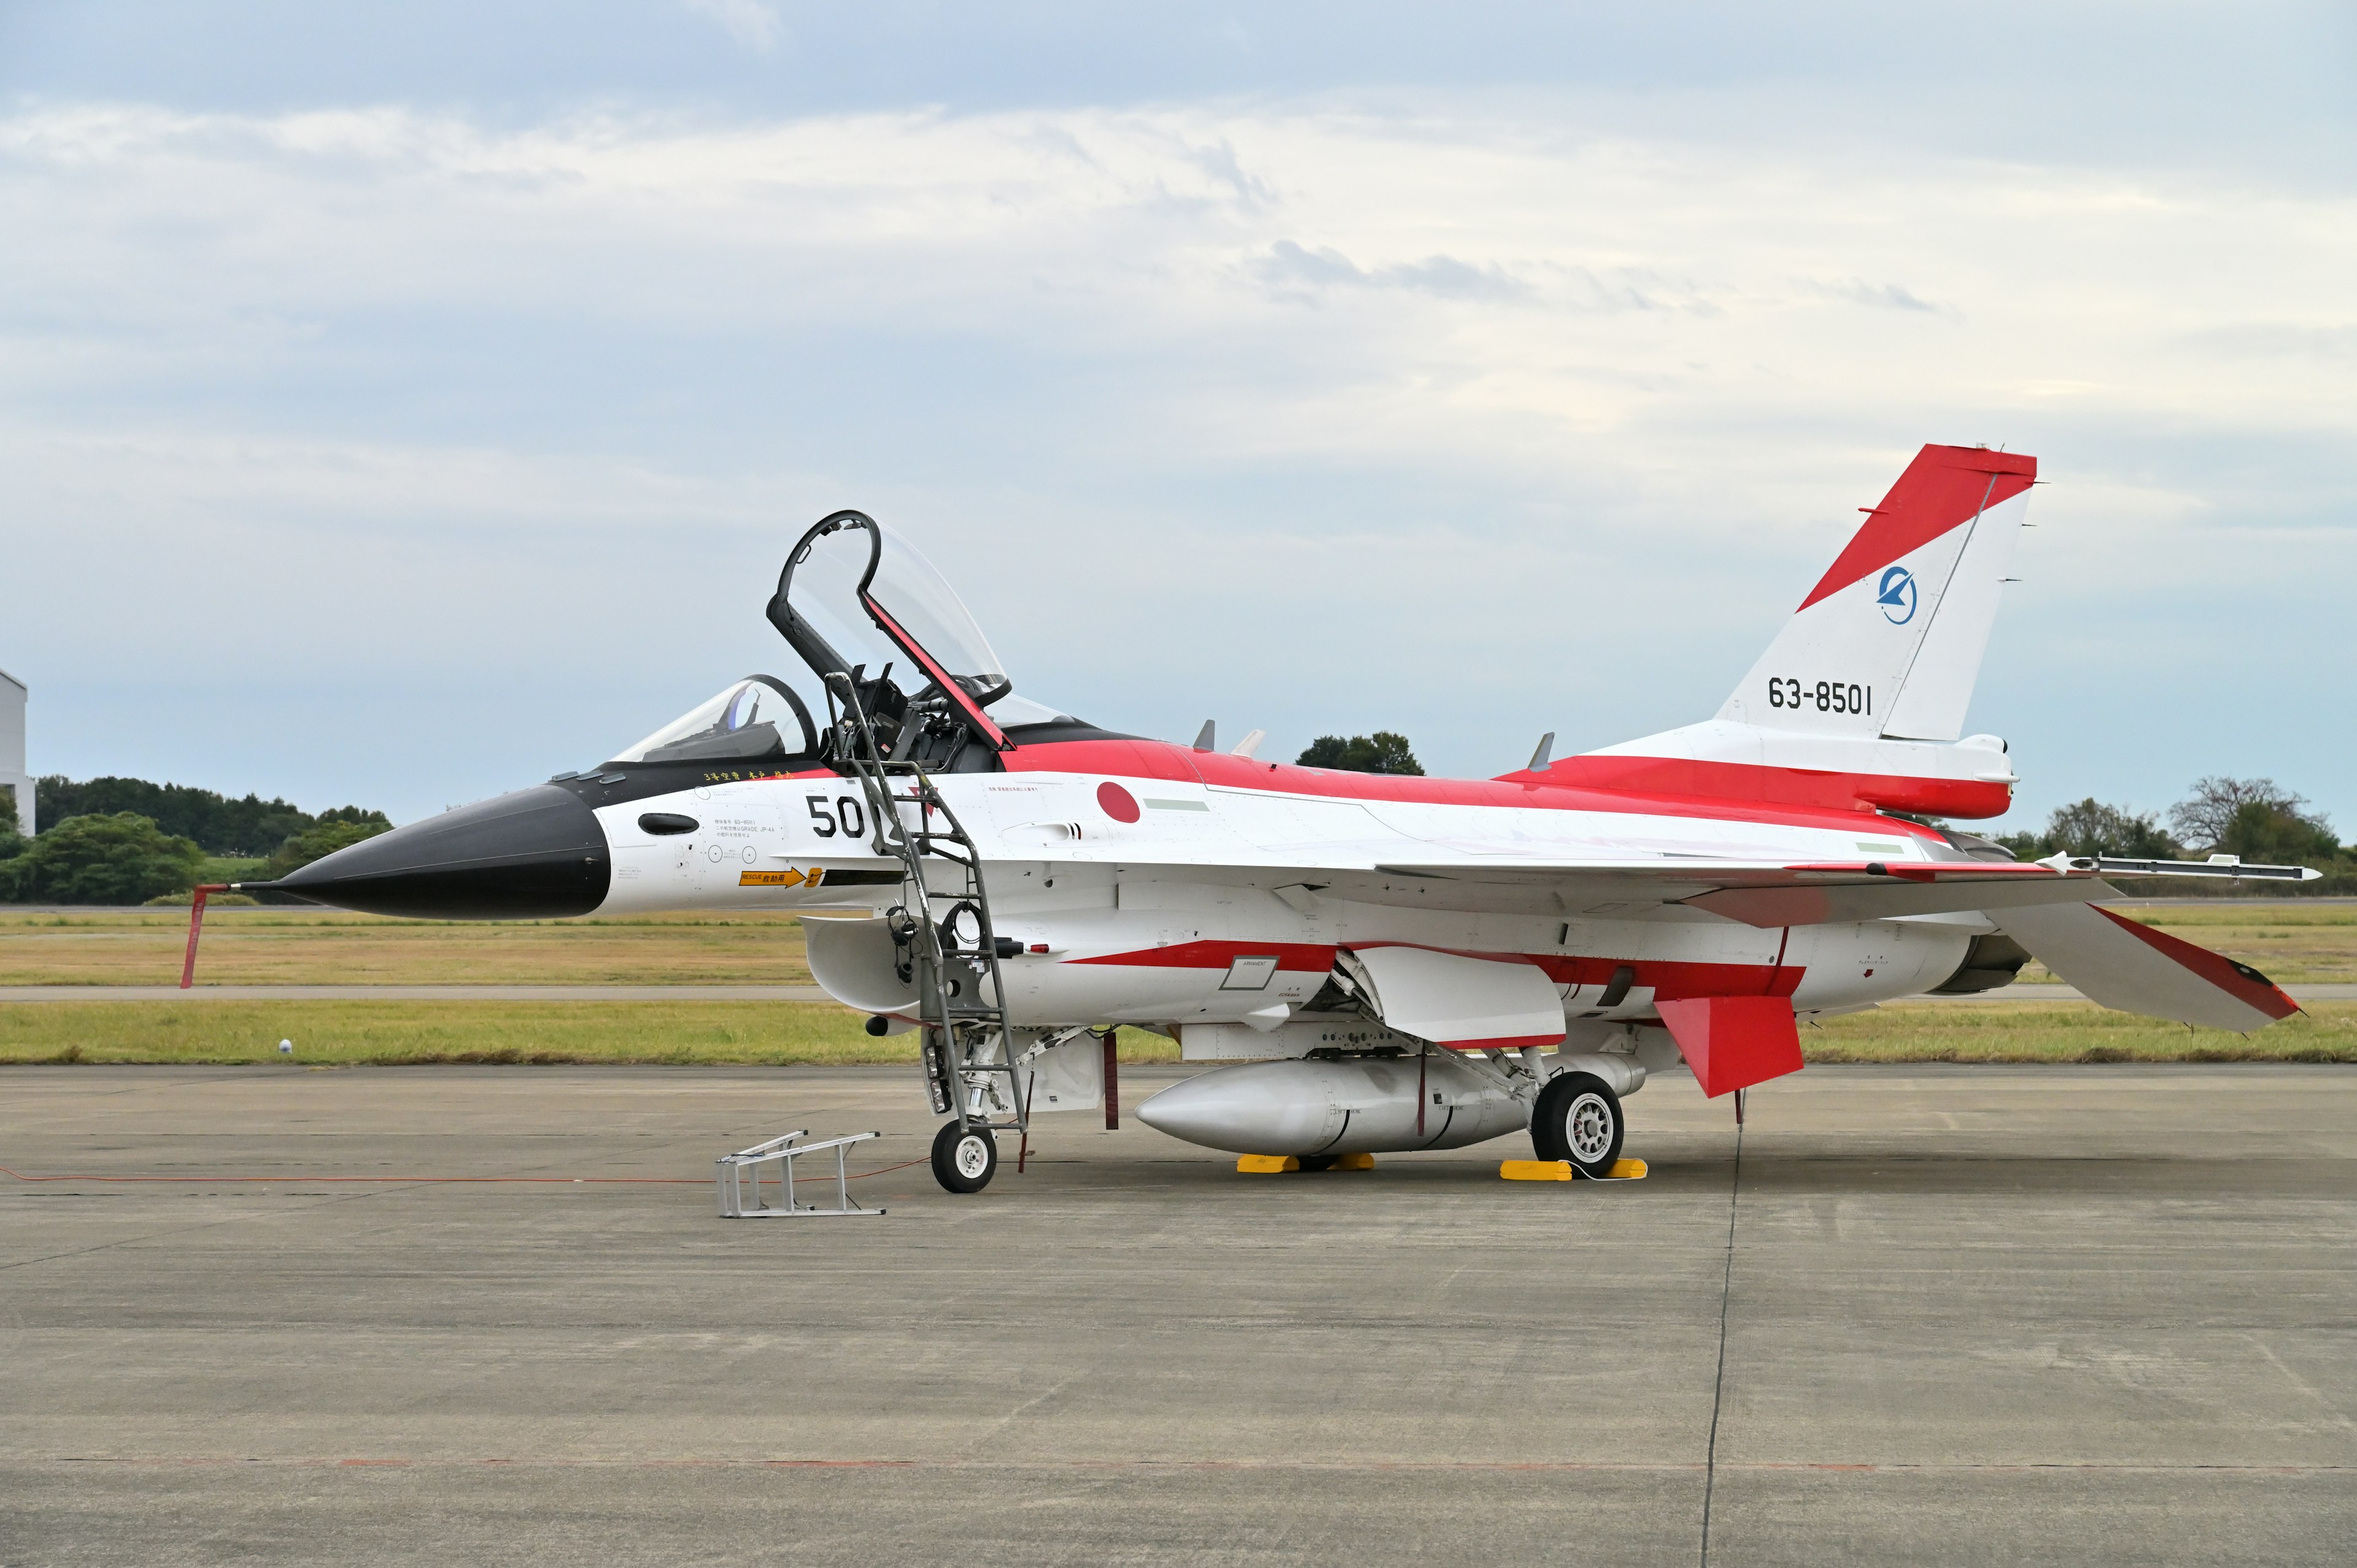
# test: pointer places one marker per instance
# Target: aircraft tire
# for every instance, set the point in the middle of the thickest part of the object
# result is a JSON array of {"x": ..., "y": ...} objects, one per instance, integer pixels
[
  {"x": 1579, "y": 1118},
  {"x": 964, "y": 1162}
]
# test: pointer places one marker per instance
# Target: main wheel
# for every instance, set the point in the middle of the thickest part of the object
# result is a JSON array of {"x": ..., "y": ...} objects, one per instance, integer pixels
[
  {"x": 964, "y": 1162},
  {"x": 1578, "y": 1118}
]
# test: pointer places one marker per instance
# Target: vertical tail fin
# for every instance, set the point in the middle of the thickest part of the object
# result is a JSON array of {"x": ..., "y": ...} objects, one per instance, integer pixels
[
  {"x": 1859, "y": 701},
  {"x": 1888, "y": 643}
]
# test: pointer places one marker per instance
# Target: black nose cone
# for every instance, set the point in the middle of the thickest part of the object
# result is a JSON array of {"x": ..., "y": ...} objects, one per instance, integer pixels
[{"x": 533, "y": 855}]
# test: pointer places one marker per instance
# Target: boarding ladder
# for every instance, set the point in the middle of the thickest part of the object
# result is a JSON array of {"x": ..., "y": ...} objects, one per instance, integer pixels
[{"x": 969, "y": 1057}]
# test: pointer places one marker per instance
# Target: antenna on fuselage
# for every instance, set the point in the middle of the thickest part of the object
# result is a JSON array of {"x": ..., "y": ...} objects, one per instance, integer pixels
[
  {"x": 1207, "y": 737},
  {"x": 1546, "y": 750}
]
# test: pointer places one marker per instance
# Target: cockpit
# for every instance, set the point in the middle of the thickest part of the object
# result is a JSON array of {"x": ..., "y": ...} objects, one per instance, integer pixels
[
  {"x": 868, "y": 616},
  {"x": 758, "y": 719}
]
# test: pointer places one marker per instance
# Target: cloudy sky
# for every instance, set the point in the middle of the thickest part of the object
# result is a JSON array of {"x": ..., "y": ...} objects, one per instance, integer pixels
[{"x": 401, "y": 403}]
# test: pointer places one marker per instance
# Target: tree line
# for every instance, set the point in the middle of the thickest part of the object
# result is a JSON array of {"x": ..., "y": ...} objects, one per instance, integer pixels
[
  {"x": 127, "y": 841},
  {"x": 245, "y": 829},
  {"x": 2257, "y": 820}
]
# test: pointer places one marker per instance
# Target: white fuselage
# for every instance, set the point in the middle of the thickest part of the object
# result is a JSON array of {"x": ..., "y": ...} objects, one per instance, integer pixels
[{"x": 1152, "y": 921}]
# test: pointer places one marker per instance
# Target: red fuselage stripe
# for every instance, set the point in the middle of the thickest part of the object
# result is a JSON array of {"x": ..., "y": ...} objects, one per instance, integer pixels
[
  {"x": 1667, "y": 978},
  {"x": 1506, "y": 1043},
  {"x": 1650, "y": 785},
  {"x": 1299, "y": 956},
  {"x": 1159, "y": 759},
  {"x": 1970, "y": 799}
]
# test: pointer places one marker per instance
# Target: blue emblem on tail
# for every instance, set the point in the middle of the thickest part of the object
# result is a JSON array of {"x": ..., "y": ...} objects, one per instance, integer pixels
[{"x": 1897, "y": 596}]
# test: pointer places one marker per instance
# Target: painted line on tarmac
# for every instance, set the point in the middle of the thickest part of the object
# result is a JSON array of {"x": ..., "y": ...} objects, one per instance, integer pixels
[
  {"x": 443, "y": 1181},
  {"x": 2026, "y": 1466}
]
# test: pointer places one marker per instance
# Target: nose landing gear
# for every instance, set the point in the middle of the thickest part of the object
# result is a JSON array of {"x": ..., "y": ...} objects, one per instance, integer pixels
[{"x": 965, "y": 1161}]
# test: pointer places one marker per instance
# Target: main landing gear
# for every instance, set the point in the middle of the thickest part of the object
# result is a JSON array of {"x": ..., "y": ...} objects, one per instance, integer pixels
[
  {"x": 965, "y": 1161},
  {"x": 1579, "y": 1118}
]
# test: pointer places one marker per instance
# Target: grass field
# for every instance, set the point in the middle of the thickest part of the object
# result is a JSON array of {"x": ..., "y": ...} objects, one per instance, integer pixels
[
  {"x": 312, "y": 947},
  {"x": 2292, "y": 944},
  {"x": 392, "y": 1033},
  {"x": 396, "y": 1033},
  {"x": 2070, "y": 1032},
  {"x": 2295, "y": 944},
  {"x": 386, "y": 1032}
]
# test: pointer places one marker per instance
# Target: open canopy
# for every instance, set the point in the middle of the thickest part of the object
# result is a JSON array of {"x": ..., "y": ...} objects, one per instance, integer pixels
[
  {"x": 858, "y": 600},
  {"x": 855, "y": 595}
]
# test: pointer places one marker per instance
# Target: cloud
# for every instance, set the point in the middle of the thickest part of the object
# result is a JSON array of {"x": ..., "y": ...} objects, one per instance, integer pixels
[
  {"x": 1874, "y": 296},
  {"x": 1291, "y": 268},
  {"x": 1577, "y": 417},
  {"x": 753, "y": 24}
]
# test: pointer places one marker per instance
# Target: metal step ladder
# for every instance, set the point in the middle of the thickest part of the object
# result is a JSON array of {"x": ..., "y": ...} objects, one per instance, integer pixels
[
  {"x": 944, "y": 939},
  {"x": 741, "y": 1181}
]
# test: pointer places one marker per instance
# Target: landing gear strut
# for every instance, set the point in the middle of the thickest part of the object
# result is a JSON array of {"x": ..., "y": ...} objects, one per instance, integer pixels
[
  {"x": 965, "y": 1161},
  {"x": 1579, "y": 1118}
]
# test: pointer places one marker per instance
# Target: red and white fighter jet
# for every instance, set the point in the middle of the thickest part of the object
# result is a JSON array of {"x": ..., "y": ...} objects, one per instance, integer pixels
[{"x": 1390, "y": 962}]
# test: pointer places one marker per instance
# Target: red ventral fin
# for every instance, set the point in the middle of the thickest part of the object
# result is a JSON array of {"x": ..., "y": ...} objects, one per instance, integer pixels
[
  {"x": 1734, "y": 1042},
  {"x": 1943, "y": 488}
]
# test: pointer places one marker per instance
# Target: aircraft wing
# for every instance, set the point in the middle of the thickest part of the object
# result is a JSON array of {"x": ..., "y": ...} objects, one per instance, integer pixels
[
  {"x": 1772, "y": 894},
  {"x": 1769, "y": 894}
]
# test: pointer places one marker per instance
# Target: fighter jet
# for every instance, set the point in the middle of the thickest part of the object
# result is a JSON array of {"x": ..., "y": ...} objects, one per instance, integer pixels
[{"x": 1385, "y": 963}]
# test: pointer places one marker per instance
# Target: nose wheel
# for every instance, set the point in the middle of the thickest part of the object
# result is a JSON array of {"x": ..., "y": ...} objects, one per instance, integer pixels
[
  {"x": 965, "y": 1161},
  {"x": 1579, "y": 1118}
]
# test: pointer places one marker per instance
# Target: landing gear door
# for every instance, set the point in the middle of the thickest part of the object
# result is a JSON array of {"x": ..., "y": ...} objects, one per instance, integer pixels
[{"x": 1070, "y": 1077}]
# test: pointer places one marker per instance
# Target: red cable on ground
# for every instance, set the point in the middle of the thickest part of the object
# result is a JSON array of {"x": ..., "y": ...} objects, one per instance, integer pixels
[{"x": 448, "y": 1180}]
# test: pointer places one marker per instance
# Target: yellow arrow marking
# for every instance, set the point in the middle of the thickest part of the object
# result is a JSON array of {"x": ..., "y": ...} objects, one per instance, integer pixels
[{"x": 787, "y": 878}]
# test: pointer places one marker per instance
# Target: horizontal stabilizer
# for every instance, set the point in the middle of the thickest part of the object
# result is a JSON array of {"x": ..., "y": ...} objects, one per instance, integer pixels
[
  {"x": 1734, "y": 1042},
  {"x": 1468, "y": 1003},
  {"x": 2135, "y": 968}
]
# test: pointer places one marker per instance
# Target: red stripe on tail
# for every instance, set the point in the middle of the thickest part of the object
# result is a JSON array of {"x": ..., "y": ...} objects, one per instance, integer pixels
[{"x": 1943, "y": 488}]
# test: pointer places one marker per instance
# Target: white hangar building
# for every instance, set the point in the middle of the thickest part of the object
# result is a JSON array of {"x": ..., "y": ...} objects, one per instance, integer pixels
[{"x": 12, "y": 748}]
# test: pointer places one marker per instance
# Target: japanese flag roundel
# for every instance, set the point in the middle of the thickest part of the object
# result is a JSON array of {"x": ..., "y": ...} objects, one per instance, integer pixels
[{"x": 1117, "y": 803}]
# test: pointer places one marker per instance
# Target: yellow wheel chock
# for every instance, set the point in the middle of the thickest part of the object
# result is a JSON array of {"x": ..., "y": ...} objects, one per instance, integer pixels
[
  {"x": 1563, "y": 1170},
  {"x": 1278, "y": 1164}
]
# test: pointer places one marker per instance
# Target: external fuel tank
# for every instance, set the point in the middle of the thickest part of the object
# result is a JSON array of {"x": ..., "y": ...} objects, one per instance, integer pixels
[{"x": 1354, "y": 1106}]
